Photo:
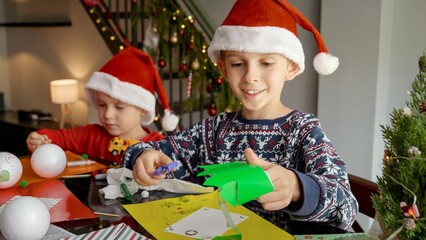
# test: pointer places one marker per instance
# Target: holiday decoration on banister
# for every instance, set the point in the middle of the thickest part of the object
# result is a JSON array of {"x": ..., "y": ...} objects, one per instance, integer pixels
[
  {"x": 177, "y": 45},
  {"x": 401, "y": 202}
]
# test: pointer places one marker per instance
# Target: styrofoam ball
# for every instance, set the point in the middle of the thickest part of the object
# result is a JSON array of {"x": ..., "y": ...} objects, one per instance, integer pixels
[
  {"x": 145, "y": 194},
  {"x": 10, "y": 170},
  {"x": 48, "y": 160},
  {"x": 24, "y": 217}
]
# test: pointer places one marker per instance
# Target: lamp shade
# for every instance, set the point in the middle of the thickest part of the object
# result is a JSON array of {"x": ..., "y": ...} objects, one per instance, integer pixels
[{"x": 64, "y": 91}]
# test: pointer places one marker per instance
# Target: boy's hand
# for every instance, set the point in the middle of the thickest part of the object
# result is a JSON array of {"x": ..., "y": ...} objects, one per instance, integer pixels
[
  {"x": 35, "y": 140},
  {"x": 144, "y": 172},
  {"x": 285, "y": 183}
]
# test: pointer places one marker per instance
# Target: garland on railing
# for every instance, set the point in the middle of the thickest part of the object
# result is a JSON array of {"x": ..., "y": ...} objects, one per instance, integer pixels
[
  {"x": 170, "y": 27},
  {"x": 170, "y": 32}
]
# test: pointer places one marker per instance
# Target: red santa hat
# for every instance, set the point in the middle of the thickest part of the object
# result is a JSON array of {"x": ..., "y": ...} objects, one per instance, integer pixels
[
  {"x": 269, "y": 26},
  {"x": 131, "y": 77}
]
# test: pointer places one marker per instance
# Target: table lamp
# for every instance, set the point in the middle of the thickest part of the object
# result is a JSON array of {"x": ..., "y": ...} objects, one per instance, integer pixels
[{"x": 64, "y": 92}]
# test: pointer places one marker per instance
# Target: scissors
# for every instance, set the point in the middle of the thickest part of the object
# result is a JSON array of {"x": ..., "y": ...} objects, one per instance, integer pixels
[{"x": 165, "y": 168}]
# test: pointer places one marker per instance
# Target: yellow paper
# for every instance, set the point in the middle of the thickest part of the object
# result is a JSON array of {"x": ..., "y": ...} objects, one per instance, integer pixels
[{"x": 155, "y": 216}]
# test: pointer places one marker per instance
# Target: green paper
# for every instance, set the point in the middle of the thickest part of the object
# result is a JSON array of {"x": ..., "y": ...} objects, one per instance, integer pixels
[
  {"x": 230, "y": 237},
  {"x": 239, "y": 182}
]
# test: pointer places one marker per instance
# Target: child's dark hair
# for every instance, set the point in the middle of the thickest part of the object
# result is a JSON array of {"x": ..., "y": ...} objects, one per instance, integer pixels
[{"x": 222, "y": 55}]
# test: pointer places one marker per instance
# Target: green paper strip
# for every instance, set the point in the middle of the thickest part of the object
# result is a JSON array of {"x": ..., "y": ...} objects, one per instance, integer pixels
[{"x": 238, "y": 235}]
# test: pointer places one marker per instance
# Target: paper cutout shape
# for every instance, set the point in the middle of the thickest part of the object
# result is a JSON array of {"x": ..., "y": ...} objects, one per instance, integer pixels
[
  {"x": 239, "y": 182},
  {"x": 205, "y": 223}
]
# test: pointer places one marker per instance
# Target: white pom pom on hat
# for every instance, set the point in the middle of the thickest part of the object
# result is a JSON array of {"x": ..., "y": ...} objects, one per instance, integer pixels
[
  {"x": 269, "y": 26},
  {"x": 131, "y": 77}
]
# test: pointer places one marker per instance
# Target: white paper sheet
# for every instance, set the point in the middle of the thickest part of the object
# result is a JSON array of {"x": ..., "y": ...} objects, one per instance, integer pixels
[{"x": 206, "y": 223}]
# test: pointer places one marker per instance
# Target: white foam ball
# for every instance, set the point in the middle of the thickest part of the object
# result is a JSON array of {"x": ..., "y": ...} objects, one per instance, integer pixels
[
  {"x": 10, "y": 170},
  {"x": 24, "y": 218},
  {"x": 48, "y": 160},
  {"x": 145, "y": 194}
]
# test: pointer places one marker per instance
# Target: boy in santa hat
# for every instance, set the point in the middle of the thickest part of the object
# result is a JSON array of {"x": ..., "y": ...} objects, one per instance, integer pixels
[
  {"x": 257, "y": 51},
  {"x": 123, "y": 93}
]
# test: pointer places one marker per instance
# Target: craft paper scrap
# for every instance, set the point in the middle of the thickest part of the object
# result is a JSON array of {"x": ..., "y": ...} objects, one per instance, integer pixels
[
  {"x": 120, "y": 231},
  {"x": 157, "y": 215},
  {"x": 343, "y": 236},
  {"x": 49, "y": 202},
  {"x": 205, "y": 223}
]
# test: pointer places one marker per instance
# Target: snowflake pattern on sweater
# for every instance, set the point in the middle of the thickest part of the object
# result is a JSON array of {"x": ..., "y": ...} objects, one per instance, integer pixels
[{"x": 295, "y": 141}]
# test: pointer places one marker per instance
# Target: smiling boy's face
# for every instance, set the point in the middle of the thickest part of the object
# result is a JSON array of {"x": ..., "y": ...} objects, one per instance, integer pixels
[
  {"x": 257, "y": 80},
  {"x": 118, "y": 118}
]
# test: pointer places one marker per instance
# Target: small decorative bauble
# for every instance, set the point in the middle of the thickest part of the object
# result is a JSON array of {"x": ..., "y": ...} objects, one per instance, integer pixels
[
  {"x": 191, "y": 46},
  {"x": 409, "y": 223},
  {"x": 219, "y": 80},
  {"x": 183, "y": 67},
  {"x": 174, "y": 38},
  {"x": 91, "y": 3},
  {"x": 154, "y": 29},
  {"x": 422, "y": 107},
  {"x": 48, "y": 160},
  {"x": 24, "y": 217},
  {"x": 227, "y": 109},
  {"x": 386, "y": 157},
  {"x": 10, "y": 170},
  {"x": 195, "y": 65},
  {"x": 209, "y": 87},
  {"x": 212, "y": 110},
  {"x": 181, "y": 32},
  {"x": 161, "y": 63}
]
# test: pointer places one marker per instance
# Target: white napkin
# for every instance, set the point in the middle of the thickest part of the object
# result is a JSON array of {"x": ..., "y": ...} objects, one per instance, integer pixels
[
  {"x": 178, "y": 186},
  {"x": 116, "y": 176}
]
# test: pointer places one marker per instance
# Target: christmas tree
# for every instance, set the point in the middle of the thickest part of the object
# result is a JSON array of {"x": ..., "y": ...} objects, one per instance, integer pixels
[{"x": 401, "y": 202}]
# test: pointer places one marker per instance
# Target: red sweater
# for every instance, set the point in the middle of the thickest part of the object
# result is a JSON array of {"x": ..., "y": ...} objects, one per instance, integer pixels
[{"x": 92, "y": 140}]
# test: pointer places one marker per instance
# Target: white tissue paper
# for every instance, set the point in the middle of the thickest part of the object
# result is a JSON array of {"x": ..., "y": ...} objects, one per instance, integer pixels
[{"x": 116, "y": 176}]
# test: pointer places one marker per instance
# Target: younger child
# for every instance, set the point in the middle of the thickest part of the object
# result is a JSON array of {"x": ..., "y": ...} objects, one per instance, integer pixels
[
  {"x": 123, "y": 94},
  {"x": 257, "y": 51}
]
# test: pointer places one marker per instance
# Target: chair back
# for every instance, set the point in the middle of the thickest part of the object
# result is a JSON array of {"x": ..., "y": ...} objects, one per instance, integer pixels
[{"x": 363, "y": 189}]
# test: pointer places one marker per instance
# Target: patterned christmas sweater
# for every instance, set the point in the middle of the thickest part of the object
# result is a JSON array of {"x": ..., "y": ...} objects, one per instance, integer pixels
[{"x": 295, "y": 141}]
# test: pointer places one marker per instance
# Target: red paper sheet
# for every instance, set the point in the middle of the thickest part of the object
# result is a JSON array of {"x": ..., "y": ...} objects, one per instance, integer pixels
[
  {"x": 69, "y": 208},
  {"x": 31, "y": 177}
]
